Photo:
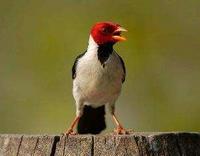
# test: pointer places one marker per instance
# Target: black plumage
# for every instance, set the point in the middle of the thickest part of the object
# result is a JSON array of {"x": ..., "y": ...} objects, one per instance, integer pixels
[
  {"x": 75, "y": 65},
  {"x": 124, "y": 68},
  {"x": 92, "y": 121},
  {"x": 104, "y": 52}
]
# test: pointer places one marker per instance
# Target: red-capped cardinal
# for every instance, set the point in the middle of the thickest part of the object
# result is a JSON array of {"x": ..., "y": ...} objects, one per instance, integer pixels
[{"x": 97, "y": 75}]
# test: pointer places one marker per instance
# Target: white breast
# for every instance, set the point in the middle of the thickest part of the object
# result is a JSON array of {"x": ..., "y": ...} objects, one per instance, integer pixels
[{"x": 94, "y": 84}]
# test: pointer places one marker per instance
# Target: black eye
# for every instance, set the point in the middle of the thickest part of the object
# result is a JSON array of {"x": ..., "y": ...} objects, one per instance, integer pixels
[{"x": 105, "y": 30}]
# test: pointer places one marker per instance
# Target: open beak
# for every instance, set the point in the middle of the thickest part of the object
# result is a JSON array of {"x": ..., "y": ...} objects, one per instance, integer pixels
[{"x": 117, "y": 34}]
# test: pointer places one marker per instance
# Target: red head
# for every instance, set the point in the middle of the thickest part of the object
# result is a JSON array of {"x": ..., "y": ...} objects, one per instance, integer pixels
[{"x": 107, "y": 32}]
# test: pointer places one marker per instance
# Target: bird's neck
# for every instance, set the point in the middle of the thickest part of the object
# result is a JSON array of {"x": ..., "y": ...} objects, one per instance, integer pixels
[
  {"x": 101, "y": 51},
  {"x": 93, "y": 47}
]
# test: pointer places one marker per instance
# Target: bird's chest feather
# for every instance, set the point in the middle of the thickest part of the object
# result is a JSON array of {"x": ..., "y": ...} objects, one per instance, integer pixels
[{"x": 95, "y": 78}]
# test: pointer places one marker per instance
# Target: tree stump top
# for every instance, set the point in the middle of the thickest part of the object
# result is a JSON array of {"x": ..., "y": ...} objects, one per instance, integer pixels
[{"x": 135, "y": 144}]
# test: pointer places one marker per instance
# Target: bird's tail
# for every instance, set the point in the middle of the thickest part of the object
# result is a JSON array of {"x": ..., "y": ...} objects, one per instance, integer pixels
[{"x": 92, "y": 121}]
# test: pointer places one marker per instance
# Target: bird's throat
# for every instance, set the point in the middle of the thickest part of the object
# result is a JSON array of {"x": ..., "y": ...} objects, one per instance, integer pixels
[{"x": 104, "y": 51}]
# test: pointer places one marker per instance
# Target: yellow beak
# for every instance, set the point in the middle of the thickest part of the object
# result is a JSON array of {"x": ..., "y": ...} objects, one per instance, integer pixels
[{"x": 118, "y": 37}]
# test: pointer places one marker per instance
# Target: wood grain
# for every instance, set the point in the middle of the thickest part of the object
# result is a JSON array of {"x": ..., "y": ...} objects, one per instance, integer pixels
[{"x": 135, "y": 144}]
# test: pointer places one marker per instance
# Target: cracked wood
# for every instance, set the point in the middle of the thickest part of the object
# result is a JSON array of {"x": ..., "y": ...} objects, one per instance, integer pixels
[{"x": 136, "y": 144}]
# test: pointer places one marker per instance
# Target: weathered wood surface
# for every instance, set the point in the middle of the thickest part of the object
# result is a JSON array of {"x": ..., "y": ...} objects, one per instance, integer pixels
[{"x": 136, "y": 144}]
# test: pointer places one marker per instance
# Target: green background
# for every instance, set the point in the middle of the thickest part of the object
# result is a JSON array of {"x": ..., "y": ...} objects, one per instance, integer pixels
[{"x": 40, "y": 39}]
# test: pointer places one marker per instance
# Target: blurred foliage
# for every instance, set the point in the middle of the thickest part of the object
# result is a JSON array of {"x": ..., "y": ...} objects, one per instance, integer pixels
[{"x": 40, "y": 39}]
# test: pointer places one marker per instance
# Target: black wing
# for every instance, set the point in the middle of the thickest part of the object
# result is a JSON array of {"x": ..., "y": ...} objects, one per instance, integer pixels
[
  {"x": 75, "y": 64},
  {"x": 124, "y": 68}
]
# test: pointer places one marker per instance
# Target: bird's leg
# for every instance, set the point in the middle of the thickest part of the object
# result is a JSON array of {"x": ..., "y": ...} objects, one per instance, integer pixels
[
  {"x": 79, "y": 112},
  {"x": 71, "y": 128},
  {"x": 119, "y": 129}
]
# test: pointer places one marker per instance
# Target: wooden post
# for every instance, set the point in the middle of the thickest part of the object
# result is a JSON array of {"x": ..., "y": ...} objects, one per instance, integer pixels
[{"x": 135, "y": 144}]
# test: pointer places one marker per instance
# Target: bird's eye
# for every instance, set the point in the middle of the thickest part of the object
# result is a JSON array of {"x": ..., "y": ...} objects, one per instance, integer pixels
[{"x": 105, "y": 30}]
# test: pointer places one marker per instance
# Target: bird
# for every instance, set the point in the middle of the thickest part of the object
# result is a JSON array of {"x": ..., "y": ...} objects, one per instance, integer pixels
[{"x": 98, "y": 75}]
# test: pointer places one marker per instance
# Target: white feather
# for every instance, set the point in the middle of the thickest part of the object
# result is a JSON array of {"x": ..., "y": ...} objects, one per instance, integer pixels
[{"x": 94, "y": 84}]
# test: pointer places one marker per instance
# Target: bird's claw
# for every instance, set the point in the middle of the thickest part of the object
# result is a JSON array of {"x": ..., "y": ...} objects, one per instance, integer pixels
[
  {"x": 120, "y": 130},
  {"x": 70, "y": 132}
]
